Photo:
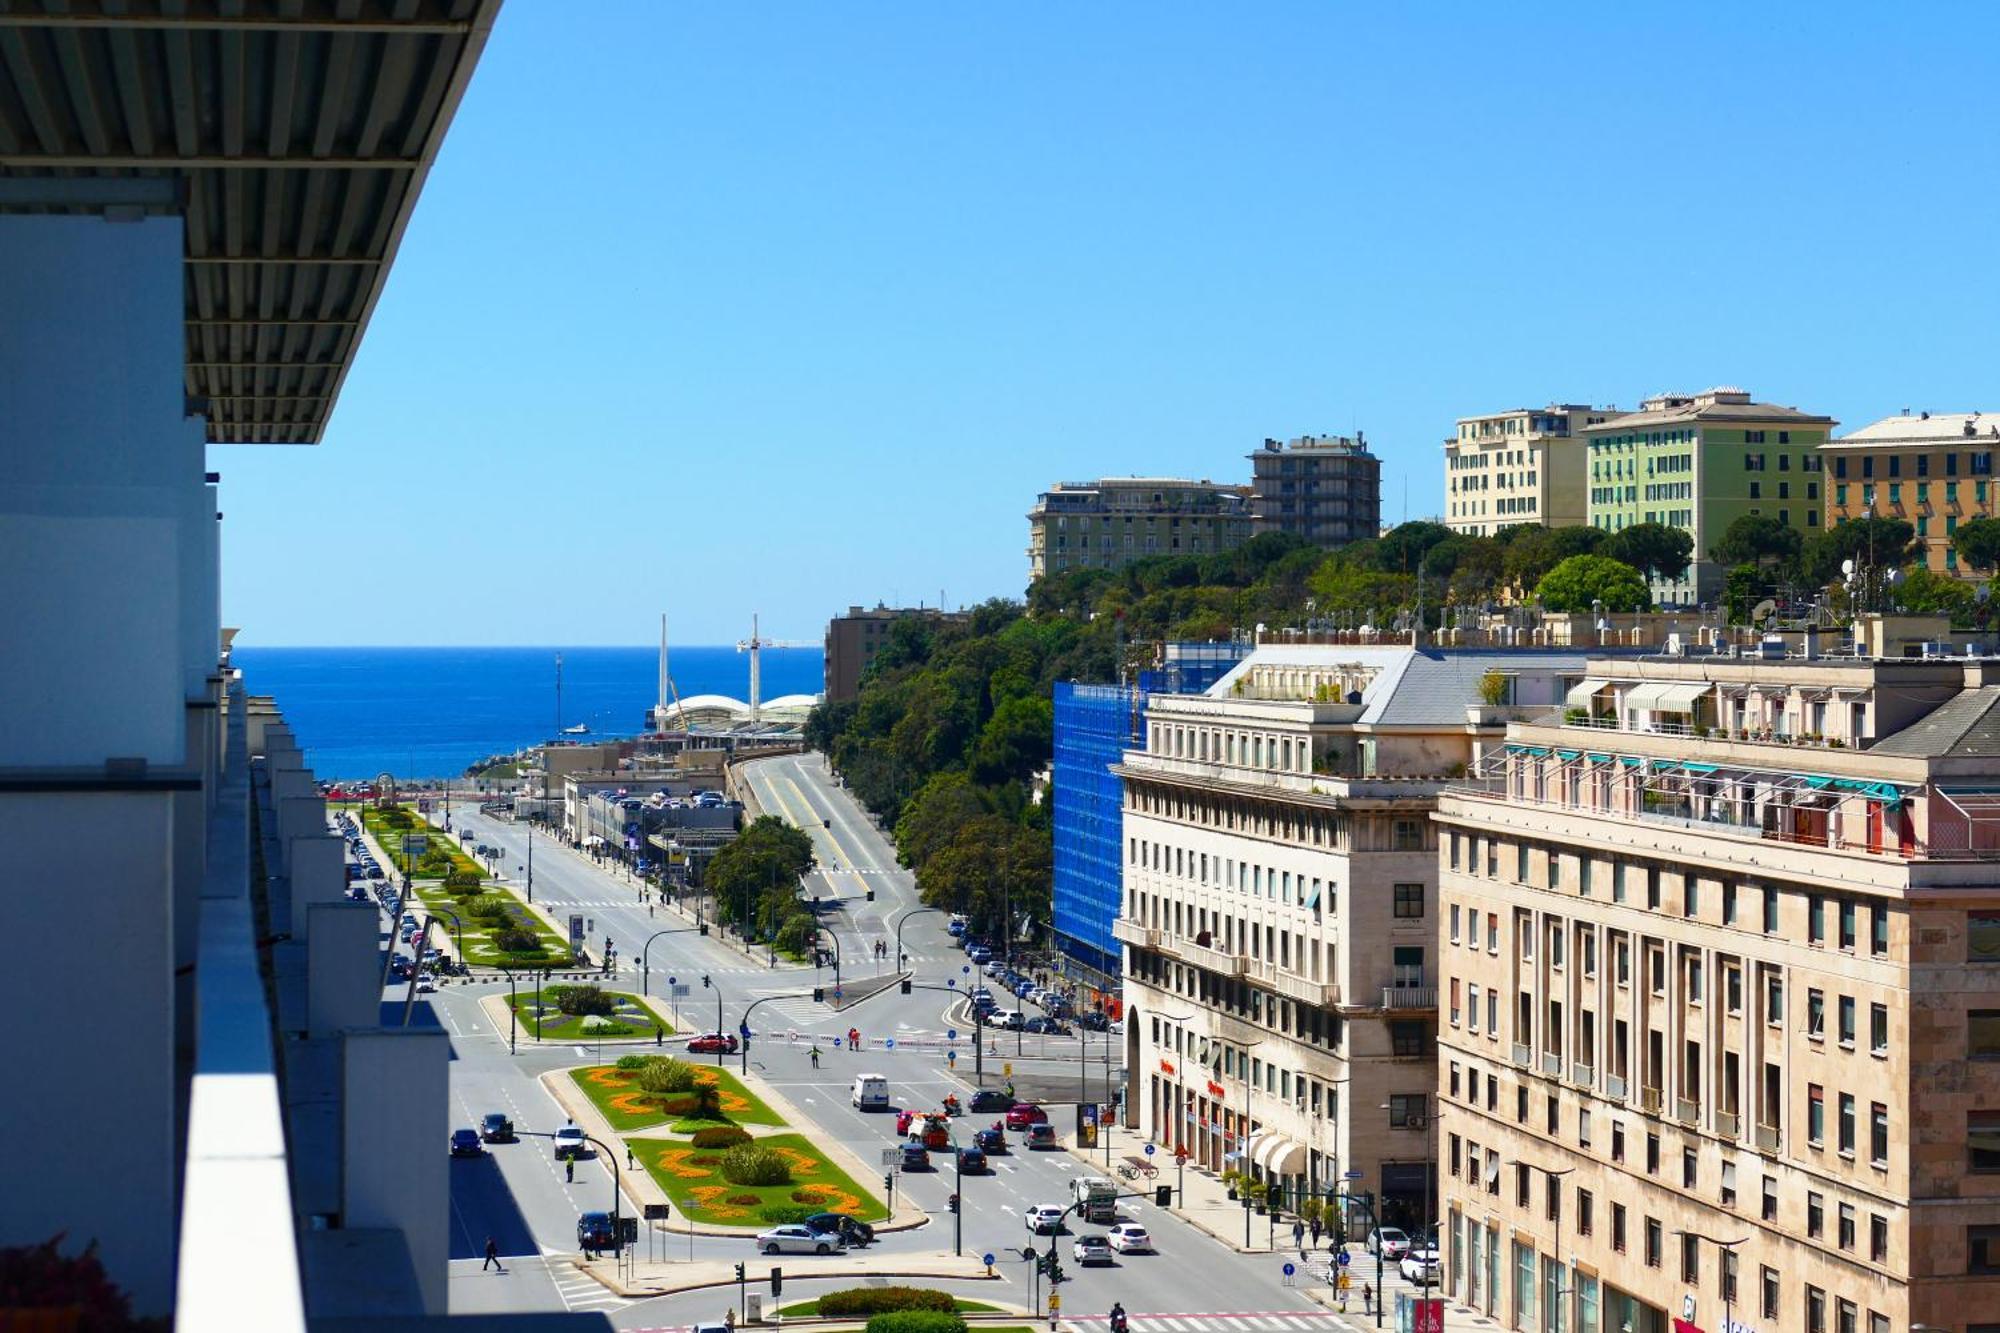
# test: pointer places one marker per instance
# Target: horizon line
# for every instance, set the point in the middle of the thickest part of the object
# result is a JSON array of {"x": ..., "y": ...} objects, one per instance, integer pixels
[{"x": 544, "y": 647}]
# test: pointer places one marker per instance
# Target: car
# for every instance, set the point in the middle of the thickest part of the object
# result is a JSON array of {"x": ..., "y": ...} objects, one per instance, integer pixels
[
  {"x": 1389, "y": 1242},
  {"x": 1420, "y": 1265},
  {"x": 1053, "y": 1027},
  {"x": 1022, "y": 1114},
  {"x": 570, "y": 1143},
  {"x": 1130, "y": 1238},
  {"x": 712, "y": 1043},
  {"x": 972, "y": 1160},
  {"x": 1023, "y": 988},
  {"x": 956, "y": 925},
  {"x": 1042, "y": 1136},
  {"x": 595, "y": 1232},
  {"x": 496, "y": 1128},
  {"x": 1093, "y": 1020},
  {"x": 426, "y": 984},
  {"x": 1007, "y": 1019},
  {"x": 375, "y": 872},
  {"x": 797, "y": 1238},
  {"x": 989, "y": 1099},
  {"x": 1091, "y": 1250},
  {"x": 990, "y": 1141},
  {"x": 465, "y": 1143},
  {"x": 904, "y": 1119},
  {"x": 1044, "y": 1219},
  {"x": 840, "y": 1224},
  {"x": 979, "y": 953},
  {"x": 916, "y": 1157}
]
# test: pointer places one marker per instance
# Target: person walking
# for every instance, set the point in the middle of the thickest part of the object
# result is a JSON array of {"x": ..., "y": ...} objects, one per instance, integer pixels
[
  {"x": 1299, "y": 1237},
  {"x": 1315, "y": 1232},
  {"x": 631, "y": 1164},
  {"x": 492, "y": 1256},
  {"x": 569, "y": 1170}
]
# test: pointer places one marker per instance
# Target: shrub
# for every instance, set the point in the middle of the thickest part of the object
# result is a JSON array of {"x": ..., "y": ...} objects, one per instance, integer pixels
[
  {"x": 747, "y": 1164},
  {"x": 464, "y": 879},
  {"x": 584, "y": 1000},
  {"x": 744, "y": 1200},
  {"x": 782, "y": 1214},
  {"x": 516, "y": 940},
  {"x": 859, "y": 1302},
  {"x": 664, "y": 1074},
  {"x": 798, "y": 932},
  {"x": 916, "y": 1321},
  {"x": 490, "y": 907},
  {"x": 600, "y": 1026},
  {"x": 628, "y": 1063},
  {"x": 720, "y": 1136}
]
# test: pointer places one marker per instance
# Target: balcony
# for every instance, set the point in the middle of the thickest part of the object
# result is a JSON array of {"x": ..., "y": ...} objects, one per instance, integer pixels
[
  {"x": 1522, "y": 1055},
  {"x": 1582, "y": 1074},
  {"x": 1614, "y": 1087},
  {"x": 1293, "y": 985},
  {"x": 1552, "y": 1064},
  {"x": 1409, "y": 997},
  {"x": 1219, "y": 961},
  {"x": 1728, "y": 1124},
  {"x": 1128, "y": 931},
  {"x": 1767, "y": 1137},
  {"x": 1649, "y": 1100},
  {"x": 1687, "y": 1112}
]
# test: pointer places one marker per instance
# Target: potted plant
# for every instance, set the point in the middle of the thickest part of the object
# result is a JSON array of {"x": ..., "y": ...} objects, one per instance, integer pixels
[
  {"x": 1230, "y": 1177},
  {"x": 1257, "y": 1192}
]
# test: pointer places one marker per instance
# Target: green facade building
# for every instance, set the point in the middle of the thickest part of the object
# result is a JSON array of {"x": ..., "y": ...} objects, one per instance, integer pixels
[{"x": 1699, "y": 462}]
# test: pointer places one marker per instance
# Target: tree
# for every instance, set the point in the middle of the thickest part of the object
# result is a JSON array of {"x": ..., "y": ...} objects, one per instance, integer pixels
[
  {"x": 934, "y": 815},
  {"x": 1402, "y": 548},
  {"x": 1533, "y": 553},
  {"x": 1582, "y": 580},
  {"x": 1977, "y": 542},
  {"x": 1654, "y": 549},
  {"x": 1741, "y": 590},
  {"x": 1886, "y": 543},
  {"x": 1757, "y": 539},
  {"x": 1016, "y": 741},
  {"x": 1926, "y": 592}
]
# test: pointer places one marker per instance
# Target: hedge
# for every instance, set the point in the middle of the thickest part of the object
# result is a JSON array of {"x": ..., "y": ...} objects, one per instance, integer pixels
[
  {"x": 720, "y": 1136},
  {"x": 785, "y": 1214},
  {"x": 916, "y": 1321},
  {"x": 855, "y": 1302},
  {"x": 747, "y": 1164}
]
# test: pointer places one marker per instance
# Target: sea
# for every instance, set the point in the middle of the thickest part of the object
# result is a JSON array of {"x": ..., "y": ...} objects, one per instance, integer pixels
[{"x": 431, "y": 712}]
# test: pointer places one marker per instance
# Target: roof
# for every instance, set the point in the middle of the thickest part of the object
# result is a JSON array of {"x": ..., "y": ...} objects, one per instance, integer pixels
[
  {"x": 1930, "y": 428},
  {"x": 1720, "y": 405},
  {"x": 293, "y": 136},
  {"x": 1967, "y": 724},
  {"x": 1412, "y": 686}
]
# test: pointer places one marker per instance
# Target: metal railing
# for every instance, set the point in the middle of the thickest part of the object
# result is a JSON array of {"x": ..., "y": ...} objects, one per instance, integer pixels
[
  {"x": 1409, "y": 997},
  {"x": 1522, "y": 1055},
  {"x": 1614, "y": 1087},
  {"x": 1649, "y": 1100},
  {"x": 1685, "y": 1111},
  {"x": 1581, "y": 1073},
  {"x": 1728, "y": 1124},
  {"x": 1766, "y": 1137},
  {"x": 1552, "y": 1063}
]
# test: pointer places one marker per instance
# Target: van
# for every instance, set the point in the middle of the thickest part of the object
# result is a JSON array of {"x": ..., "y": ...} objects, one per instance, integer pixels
[{"x": 870, "y": 1092}]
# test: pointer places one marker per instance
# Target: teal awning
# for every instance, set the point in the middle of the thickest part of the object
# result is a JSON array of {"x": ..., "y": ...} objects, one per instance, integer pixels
[
  {"x": 1699, "y": 768},
  {"x": 1630, "y": 762},
  {"x": 1568, "y": 754},
  {"x": 1517, "y": 749},
  {"x": 1819, "y": 784},
  {"x": 1597, "y": 758},
  {"x": 1538, "y": 751}
]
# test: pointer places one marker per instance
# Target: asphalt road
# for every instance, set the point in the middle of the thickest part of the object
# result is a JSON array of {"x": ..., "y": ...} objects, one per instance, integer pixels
[{"x": 518, "y": 1195}]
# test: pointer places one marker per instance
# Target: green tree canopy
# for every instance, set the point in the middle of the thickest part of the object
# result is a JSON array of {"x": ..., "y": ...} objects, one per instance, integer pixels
[
  {"x": 1977, "y": 542},
  {"x": 1889, "y": 542},
  {"x": 1581, "y": 580},
  {"x": 1757, "y": 539},
  {"x": 1531, "y": 554},
  {"x": 1654, "y": 549}
]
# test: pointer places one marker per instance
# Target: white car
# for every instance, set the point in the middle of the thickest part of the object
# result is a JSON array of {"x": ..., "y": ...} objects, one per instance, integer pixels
[
  {"x": 1130, "y": 1238},
  {"x": 799, "y": 1240},
  {"x": 1091, "y": 1250},
  {"x": 1389, "y": 1242},
  {"x": 1420, "y": 1265},
  {"x": 1043, "y": 1218},
  {"x": 1007, "y": 1019},
  {"x": 570, "y": 1142}
]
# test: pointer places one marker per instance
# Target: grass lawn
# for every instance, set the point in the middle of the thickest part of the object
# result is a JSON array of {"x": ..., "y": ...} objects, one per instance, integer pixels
[
  {"x": 479, "y": 948},
  {"x": 692, "y": 1177},
  {"x": 809, "y": 1309},
  {"x": 557, "y": 1026},
  {"x": 615, "y": 1092}
]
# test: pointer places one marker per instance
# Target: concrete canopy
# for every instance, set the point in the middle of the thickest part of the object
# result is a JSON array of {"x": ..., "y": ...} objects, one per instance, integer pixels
[{"x": 292, "y": 135}]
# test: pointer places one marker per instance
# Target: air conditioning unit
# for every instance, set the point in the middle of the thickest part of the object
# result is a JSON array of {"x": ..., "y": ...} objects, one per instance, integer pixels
[
  {"x": 1771, "y": 648},
  {"x": 1933, "y": 648},
  {"x": 1674, "y": 646}
]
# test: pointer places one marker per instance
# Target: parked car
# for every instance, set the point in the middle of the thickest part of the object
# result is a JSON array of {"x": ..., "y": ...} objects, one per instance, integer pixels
[
  {"x": 1042, "y": 1136},
  {"x": 979, "y": 953},
  {"x": 989, "y": 1099},
  {"x": 990, "y": 1141},
  {"x": 1389, "y": 1242},
  {"x": 840, "y": 1224},
  {"x": 1091, "y": 1250},
  {"x": 798, "y": 1238},
  {"x": 712, "y": 1043},
  {"x": 956, "y": 925},
  {"x": 1420, "y": 1266},
  {"x": 1053, "y": 1027},
  {"x": 1007, "y": 1019},
  {"x": 570, "y": 1143},
  {"x": 1093, "y": 1020},
  {"x": 1022, "y": 1114},
  {"x": 916, "y": 1157},
  {"x": 1044, "y": 1219},
  {"x": 1130, "y": 1238},
  {"x": 496, "y": 1128},
  {"x": 594, "y": 1232},
  {"x": 972, "y": 1161},
  {"x": 465, "y": 1143}
]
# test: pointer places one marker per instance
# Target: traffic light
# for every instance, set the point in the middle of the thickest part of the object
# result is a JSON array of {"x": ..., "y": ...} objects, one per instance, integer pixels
[
  {"x": 777, "y": 1281},
  {"x": 888, "y": 1180},
  {"x": 819, "y": 995},
  {"x": 739, "y": 1272},
  {"x": 951, "y": 1203},
  {"x": 906, "y": 985},
  {"x": 704, "y": 986}
]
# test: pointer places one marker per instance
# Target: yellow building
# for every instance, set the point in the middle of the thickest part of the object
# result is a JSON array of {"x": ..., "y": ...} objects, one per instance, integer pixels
[
  {"x": 1527, "y": 465},
  {"x": 1932, "y": 471}
]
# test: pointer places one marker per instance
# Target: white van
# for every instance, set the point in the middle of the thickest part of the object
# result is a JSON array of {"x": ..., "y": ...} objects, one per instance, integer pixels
[{"x": 870, "y": 1092}]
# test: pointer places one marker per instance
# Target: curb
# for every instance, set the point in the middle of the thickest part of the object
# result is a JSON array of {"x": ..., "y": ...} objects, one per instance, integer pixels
[{"x": 633, "y": 1291}]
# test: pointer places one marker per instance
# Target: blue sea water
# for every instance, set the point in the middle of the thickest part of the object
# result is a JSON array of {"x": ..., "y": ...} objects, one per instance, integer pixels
[{"x": 429, "y": 712}]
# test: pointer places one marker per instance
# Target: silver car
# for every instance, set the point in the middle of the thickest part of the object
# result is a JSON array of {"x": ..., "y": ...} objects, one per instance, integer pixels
[{"x": 794, "y": 1239}]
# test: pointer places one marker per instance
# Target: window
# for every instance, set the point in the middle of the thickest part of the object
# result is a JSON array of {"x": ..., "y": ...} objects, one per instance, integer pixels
[
  {"x": 1816, "y": 1014},
  {"x": 1982, "y": 1249},
  {"x": 1847, "y": 923},
  {"x": 1847, "y": 1124},
  {"x": 1728, "y": 1184},
  {"x": 1774, "y": 1000},
  {"x": 1583, "y": 1126},
  {"x": 1690, "y": 1259},
  {"x": 1409, "y": 901},
  {"x": 1520, "y": 1184},
  {"x": 1618, "y": 1140},
  {"x": 1769, "y": 1210},
  {"x": 1652, "y": 1154},
  {"x": 1815, "y": 919},
  {"x": 1816, "y": 1115},
  {"x": 1846, "y": 1233},
  {"x": 1690, "y": 1164},
  {"x": 1982, "y": 1141},
  {"x": 1409, "y": 1039},
  {"x": 1493, "y": 932},
  {"x": 1552, "y": 1192},
  {"x": 1729, "y": 1275},
  {"x": 1815, "y": 1215},
  {"x": 1583, "y": 1212},
  {"x": 1878, "y": 1238},
  {"x": 1618, "y": 1227},
  {"x": 1878, "y": 931},
  {"x": 1847, "y": 1020},
  {"x": 1728, "y": 904},
  {"x": 1408, "y": 1110},
  {"x": 1982, "y": 1034},
  {"x": 1454, "y": 916},
  {"x": 1815, "y": 1310},
  {"x": 1982, "y": 937},
  {"x": 1768, "y": 1284},
  {"x": 1653, "y": 1242},
  {"x": 1770, "y": 911},
  {"x": 1878, "y": 1029},
  {"x": 1690, "y": 896},
  {"x": 1878, "y": 1133},
  {"x": 1848, "y": 1317}
]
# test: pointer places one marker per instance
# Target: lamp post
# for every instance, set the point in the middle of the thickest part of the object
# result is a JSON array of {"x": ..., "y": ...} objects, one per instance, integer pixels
[
  {"x": 904, "y": 920},
  {"x": 1729, "y": 1279},
  {"x": 645, "y": 969},
  {"x": 1180, "y": 1113},
  {"x": 1563, "y": 1290}
]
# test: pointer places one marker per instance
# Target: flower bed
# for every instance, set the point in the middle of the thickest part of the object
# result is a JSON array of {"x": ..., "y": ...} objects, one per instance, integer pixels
[
  {"x": 633, "y": 1015},
  {"x": 693, "y": 1178},
  {"x": 617, "y": 1094}
]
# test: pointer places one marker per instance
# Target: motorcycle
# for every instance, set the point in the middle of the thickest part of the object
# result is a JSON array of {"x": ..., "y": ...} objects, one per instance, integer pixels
[{"x": 952, "y": 1107}]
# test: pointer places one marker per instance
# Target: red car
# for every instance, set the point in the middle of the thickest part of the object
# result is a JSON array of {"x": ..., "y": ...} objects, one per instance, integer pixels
[
  {"x": 903, "y": 1120},
  {"x": 711, "y": 1043},
  {"x": 1022, "y": 1114}
]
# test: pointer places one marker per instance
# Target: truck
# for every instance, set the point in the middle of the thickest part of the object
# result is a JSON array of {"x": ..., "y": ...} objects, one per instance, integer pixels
[{"x": 1096, "y": 1198}]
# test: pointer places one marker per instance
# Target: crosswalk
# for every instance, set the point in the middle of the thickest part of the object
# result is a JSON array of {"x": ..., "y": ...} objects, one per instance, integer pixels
[
  {"x": 1263, "y": 1321},
  {"x": 581, "y": 1293}
]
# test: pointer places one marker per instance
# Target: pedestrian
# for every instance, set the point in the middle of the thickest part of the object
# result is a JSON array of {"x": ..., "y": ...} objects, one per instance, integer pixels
[
  {"x": 492, "y": 1256},
  {"x": 1367, "y": 1299},
  {"x": 630, "y": 1164},
  {"x": 1299, "y": 1237},
  {"x": 569, "y": 1170},
  {"x": 1315, "y": 1231},
  {"x": 656, "y": 1036}
]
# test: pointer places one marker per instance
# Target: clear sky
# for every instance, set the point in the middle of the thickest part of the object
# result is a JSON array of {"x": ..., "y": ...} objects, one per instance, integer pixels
[{"x": 724, "y": 308}]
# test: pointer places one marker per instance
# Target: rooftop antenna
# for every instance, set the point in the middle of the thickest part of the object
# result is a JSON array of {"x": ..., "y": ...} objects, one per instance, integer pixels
[
  {"x": 558, "y": 694},
  {"x": 660, "y": 708}
]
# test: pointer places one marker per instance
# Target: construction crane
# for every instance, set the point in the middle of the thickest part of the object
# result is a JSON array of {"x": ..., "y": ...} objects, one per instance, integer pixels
[{"x": 755, "y": 646}]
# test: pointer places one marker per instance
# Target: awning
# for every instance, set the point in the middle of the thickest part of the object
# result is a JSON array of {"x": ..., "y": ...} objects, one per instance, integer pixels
[
  {"x": 1818, "y": 783},
  {"x": 1276, "y": 1153},
  {"x": 1644, "y": 696},
  {"x": 1699, "y": 768},
  {"x": 1580, "y": 696},
  {"x": 1680, "y": 696},
  {"x": 1571, "y": 755}
]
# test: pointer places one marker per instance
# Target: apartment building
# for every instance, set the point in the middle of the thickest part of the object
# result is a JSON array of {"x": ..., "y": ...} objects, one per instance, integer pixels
[
  {"x": 1699, "y": 462},
  {"x": 1324, "y": 488},
  {"x": 1279, "y": 907},
  {"x": 1113, "y": 521},
  {"x": 1934, "y": 471},
  {"x": 1720, "y": 1039},
  {"x": 1526, "y": 465},
  {"x": 853, "y": 640}
]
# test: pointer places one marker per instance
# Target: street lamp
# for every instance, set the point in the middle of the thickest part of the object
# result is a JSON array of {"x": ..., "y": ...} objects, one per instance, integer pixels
[
  {"x": 1728, "y": 1278},
  {"x": 1563, "y": 1293},
  {"x": 1180, "y": 1113}
]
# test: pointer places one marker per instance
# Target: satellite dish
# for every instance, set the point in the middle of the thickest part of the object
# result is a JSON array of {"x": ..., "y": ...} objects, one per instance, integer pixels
[
  {"x": 1847, "y": 568},
  {"x": 1764, "y": 610},
  {"x": 1895, "y": 578}
]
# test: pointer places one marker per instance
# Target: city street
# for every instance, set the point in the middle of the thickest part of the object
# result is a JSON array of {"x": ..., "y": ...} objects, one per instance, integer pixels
[{"x": 517, "y": 1193}]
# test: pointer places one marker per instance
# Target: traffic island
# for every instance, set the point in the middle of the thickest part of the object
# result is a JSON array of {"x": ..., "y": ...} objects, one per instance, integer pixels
[
  {"x": 642, "y": 1279},
  {"x": 619, "y": 1016},
  {"x": 758, "y": 1182}
]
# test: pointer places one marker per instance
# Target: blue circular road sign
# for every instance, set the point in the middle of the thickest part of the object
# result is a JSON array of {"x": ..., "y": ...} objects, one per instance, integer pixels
[
  {"x": 966, "y": 970},
  {"x": 951, "y": 1034},
  {"x": 888, "y": 1043},
  {"x": 1149, "y": 1150},
  {"x": 986, "y": 1259},
  {"x": 1290, "y": 1268}
]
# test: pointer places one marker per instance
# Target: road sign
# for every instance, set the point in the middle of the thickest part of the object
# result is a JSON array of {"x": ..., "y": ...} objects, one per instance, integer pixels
[
  {"x": 986, "y": 1259},
  {"x": 888, "y": 1043},
  {"x": 1343, "y": 1282},
  {"x": 951, "y": 1034},
  {"x": 1055, "y": 1301},
  {"x": 1007, "y": 1070},
  {"x": 1290, "y": 1268},
  {"x": 656, "y": 1211},
  {"x": 1149, "y": 1150},
  {"x": 892, "y": 1156},
  {"x": 679, "y": 992},
  {"x": 1352, "y": 1175}
]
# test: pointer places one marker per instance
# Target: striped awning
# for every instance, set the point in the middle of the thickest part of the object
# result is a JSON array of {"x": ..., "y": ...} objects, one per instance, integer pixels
[{"x": 1276, "y": 1153}]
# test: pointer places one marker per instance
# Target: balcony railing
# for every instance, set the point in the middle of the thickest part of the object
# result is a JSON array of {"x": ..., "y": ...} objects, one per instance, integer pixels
[
  {"x": 1614, "y": 1087},
  {"x": 1767, "y": 1137},
  {"x": 1409, "y": 997},
  {"x": 1293, "y": 985},
  {"x": 1582, "y": 1074},
  {"x": 1685, "y": 1111},
  {"x": 1728, "y": 1124},
  {"x": 1522, "y": 1055},
  {"x": 1552, "y": 1063},
  {"x": 1215, "y": 960},
  {"x": 1127, "y": 931},
  {"x": 1649, "y": 1100}
]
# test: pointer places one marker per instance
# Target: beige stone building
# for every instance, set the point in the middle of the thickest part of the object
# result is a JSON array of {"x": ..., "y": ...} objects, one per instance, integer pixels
[
  {"x": 1527, "y": 465},
  {"x": 1720, "y": 1027},
  {"x": 853, "y": 640},
  {"x": 1113, "y": 521},
  {"x": 1278, "y": 907}
]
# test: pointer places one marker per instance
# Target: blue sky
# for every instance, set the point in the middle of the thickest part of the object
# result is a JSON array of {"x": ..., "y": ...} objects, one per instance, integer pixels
[{"x": 721, "y": 308}]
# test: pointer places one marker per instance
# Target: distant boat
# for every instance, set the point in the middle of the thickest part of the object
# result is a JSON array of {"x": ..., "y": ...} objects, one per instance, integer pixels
[{"x": 580, "y": 729}]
